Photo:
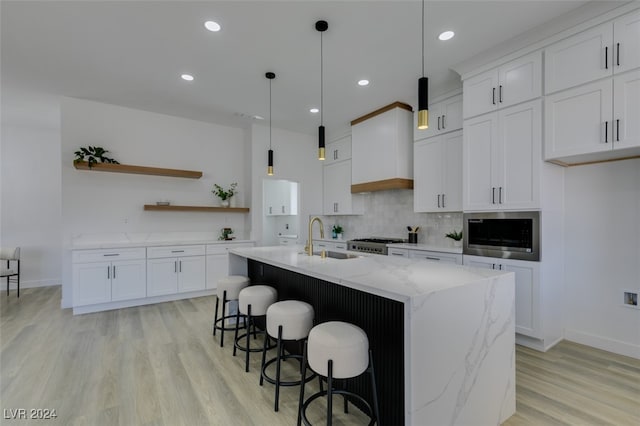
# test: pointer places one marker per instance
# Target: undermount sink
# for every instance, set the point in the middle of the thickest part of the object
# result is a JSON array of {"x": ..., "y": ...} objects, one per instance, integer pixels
[{"x": 336, "y": 254}]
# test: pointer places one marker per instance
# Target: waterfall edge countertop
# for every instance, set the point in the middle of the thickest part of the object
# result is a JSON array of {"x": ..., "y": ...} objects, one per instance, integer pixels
[
  {"x": 457, "y": 328},
  {"x": 395, "y": 278}
]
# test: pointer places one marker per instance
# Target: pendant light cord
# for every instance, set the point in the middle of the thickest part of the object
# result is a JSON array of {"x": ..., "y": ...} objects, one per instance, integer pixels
[
  {"x": 321, "y": 83},
  {"x": 269, "y": 113},
  {"x": 423, "y": 38}
]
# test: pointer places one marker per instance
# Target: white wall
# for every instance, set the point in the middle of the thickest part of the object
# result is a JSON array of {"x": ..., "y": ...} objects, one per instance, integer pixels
[
  {"x": 602, "y": 225},
  {"x": 30, "y": 202},
  {"x": 295, "y": 159},
  {"x": 98, "y": 202}
]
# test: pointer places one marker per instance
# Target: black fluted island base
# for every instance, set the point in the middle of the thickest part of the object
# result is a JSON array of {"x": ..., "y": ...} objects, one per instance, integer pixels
[{"x": 381, "y": 318}]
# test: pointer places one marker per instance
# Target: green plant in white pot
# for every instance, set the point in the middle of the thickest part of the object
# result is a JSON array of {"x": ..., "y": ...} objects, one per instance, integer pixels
[
  {"x": 456, "y": 237},
  {"x": 224, "y": 194}
]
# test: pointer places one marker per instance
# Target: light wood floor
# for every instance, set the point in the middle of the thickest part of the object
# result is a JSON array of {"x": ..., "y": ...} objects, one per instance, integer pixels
[{"x": 159, "y": 365}]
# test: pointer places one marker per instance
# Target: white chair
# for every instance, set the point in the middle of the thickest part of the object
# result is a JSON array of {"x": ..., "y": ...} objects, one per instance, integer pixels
[{"x": 10, "y": 269}]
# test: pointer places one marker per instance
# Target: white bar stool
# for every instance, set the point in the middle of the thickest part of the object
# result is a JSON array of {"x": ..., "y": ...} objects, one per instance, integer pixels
[
  {"x": 337, "y": 350},
  {"x": 253, "y": 302},
  {"x": 287, "y": 320},
  {"x": 228, "y": 289}
]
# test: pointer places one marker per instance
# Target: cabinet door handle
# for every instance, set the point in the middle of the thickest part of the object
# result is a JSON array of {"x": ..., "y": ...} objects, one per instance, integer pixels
[
  {"x": 108, "y": 272},
  {"x": 493, "y": 195},
  {"x": 431, "y": 258},
  {"x": 438, "y": 122},
  {"x": 618, "y": 54},
  {"x": 175, "y": 266},
  {"x": 282, "y": 209},
  {"x": 606, "y": 57},
  {"x": 500, "y": 195},
  {"x": 438, "y": 200},
  {"x": 180, "y": 265},
  {"x": 493, "y": 266},
  {"x": 111, "y": 254},
  {"x": 177, "y": 251},
  {"x": 500, "y": 94},
  {"x": 493, "y": 96},
  {"x": 443, "y": 126},
  {"x": 606, "y": 132},
  {"x": 617, "y": 130},
  {"x": 443, "y": 205},
  {"x": 114, "y": 272},
  {"x": 335, "y": 154},
  {"x": 397, "y": 254},
  {"x": 270, "y": 210}
]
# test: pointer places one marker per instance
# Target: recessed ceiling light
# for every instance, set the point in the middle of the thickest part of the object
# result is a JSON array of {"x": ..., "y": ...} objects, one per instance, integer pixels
[
  {"x": 446, "y": 35},
  {"x": 187, "y": 77},
  {"x": 363, "y": 82},
  {"x": 314, "y": 110},
  {"x": 212, "y": 26}
]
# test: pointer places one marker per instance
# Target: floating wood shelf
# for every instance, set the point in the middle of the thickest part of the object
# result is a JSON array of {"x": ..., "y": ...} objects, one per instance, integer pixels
[
  {"x": 137, "y": 170},
  {"x": 154, "y": 207}
]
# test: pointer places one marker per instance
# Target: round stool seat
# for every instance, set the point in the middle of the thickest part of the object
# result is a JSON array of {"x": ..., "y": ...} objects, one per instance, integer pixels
[
  {"x": 295, "y": 317},
  {"x": 260, "y": 297},
  {"x": 345, "y": 344},
  {"x": 232, "y": 284}
]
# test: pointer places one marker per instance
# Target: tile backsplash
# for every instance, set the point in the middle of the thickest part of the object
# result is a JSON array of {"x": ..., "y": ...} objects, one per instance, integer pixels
[{"x": 388, "y": 213}]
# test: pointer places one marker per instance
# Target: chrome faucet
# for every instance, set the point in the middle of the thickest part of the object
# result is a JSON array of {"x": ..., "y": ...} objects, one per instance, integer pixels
[{"x": 309, "y": 247}]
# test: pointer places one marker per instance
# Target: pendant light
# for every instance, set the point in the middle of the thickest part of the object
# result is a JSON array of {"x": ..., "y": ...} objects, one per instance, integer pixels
[
  {"x": 321, "y": 26},
  {"x": 270, "y": 76},
  {"x": 423, "y": 89}
]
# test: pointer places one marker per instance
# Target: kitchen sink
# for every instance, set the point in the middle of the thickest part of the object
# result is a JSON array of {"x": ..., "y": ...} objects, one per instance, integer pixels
[{"x": 336, "y": 254}]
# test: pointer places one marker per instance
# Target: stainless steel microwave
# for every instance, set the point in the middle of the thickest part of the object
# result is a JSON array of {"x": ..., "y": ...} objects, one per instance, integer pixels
[{"x": 510, "y": 235}]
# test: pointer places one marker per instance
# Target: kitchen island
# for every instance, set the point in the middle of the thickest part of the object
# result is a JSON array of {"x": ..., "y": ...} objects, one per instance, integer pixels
[{"x": 442, "y": 336}]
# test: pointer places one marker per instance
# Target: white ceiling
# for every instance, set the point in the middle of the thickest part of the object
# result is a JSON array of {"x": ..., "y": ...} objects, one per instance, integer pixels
[{"x": 132, "y": 53}]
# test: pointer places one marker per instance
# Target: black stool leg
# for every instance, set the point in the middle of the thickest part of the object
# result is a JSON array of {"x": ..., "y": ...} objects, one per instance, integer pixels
[
  {"x": 215, "y": 316},
  {"x": 329, "y": 392},
  {"x": 264, "y": 357},
  {"x": 302, "y": 377},
  {"x": 279, "y": 359},
  {"x": 246, "y": 358},
  {"x": 346, "y": 401},
  {"x": 224, "y": 313},
  {"x": 374, "y": 388},
  {"x": 235, "y": 338}
]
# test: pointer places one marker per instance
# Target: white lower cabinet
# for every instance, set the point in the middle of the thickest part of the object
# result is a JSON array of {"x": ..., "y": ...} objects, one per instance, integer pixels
[
  {"x": 528, "y": 309},
  {"x": 218, "y": 261},
  {"x": 98, "y": 278},
  {"x": 175, "y": 269},
  {"x": 397, "y": 252},
  {"x": 436, "y": 256},
  {"x": 329, "y": 245}
]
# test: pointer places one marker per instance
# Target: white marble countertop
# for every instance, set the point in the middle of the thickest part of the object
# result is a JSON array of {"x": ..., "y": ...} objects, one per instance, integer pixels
[
  {"x": 121, "y": 240},
  {"x": 428, "y": 247},
  {"x": 392, "y": 277}
]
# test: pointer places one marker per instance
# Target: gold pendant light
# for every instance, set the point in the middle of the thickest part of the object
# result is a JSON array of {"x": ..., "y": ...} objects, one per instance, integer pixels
[
  {"x": 321, "y": 26},
  {"x": 423, "y": 89},
  {"x": 270, "y": 76}
]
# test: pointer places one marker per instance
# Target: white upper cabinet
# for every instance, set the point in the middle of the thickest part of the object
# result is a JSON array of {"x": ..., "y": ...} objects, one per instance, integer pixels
[
  {"x": 280, "y": 197},
  {"x": 338, "y": 150},
  {"x": 595, "y": 118},
  {"x": 444, "y": 116},
  {"x": 501, "y": 159},
  {"x": 602, "y": 51},
  {"x": 337, "y": 196},
  {"x": 438, "y": 174},
  {"x": 382, "y": 146},
  {"x": 509, "y": 84}
]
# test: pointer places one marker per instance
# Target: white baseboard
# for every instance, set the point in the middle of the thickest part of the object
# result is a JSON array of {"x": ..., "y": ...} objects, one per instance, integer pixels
[{"x": 604, "y": 343}]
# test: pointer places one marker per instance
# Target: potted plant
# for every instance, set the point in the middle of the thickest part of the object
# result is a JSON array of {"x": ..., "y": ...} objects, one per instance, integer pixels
[
  {"x": 456, "y": 237},
  {"x": 92, "y": 155},
  {"x": 224, "y": 194},
  {"x": 337, "y": 231}
]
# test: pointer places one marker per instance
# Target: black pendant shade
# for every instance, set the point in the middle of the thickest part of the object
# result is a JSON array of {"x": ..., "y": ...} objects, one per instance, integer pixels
[
  {"x": 270, "y": 76},
  {"x": 321, "y": 26},
  {"x": 423, "y": 103}
]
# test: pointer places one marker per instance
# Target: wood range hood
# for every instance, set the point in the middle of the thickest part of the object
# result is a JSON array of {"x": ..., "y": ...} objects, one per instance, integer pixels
[{"x": 382, "y": 149}]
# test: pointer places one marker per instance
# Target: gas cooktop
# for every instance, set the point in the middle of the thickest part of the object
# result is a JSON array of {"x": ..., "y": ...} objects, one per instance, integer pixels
[{"x": 376, "y": 245}]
